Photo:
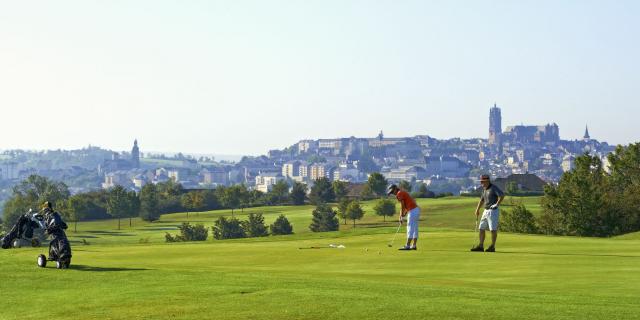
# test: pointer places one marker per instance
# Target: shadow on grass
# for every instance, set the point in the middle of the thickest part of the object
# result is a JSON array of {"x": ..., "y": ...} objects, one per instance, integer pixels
[
  {"x": 542, "y": 253},
  {"x": 111, "y": 233},
  {"x": 160, "y": 229},
  {"x": 80, "y": 267},
  {"x": 570, "y": 254}
]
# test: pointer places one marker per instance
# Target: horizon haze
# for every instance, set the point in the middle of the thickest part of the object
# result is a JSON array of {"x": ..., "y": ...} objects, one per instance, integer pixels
[{"x": 244, "y": 77}]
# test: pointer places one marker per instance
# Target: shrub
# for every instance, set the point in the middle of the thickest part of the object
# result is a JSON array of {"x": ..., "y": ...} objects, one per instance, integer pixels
[
  {"x": 254, "y": 226},
  {"x": 228, "y": 229},
  {"x": 324, "y": 219},
  {"x": 189, "y": 233},
  {"x": 281, "y": 226},
  {"x": 519, "y": 220}
]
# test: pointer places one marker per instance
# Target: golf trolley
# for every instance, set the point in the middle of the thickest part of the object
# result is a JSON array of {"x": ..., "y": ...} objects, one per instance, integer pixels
[{"x": 49, "y": 223}]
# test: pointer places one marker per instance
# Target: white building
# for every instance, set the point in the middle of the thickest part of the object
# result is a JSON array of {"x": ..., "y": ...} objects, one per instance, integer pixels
[
  {"x": 113, "y": 179},
  {"x": 293, "y": 169},
  {"x": 265, "y": 182},
  {"x": 568, "y": 163},
  {"x": 317, "y": 171},
  {"x": 139, "y": 181}
]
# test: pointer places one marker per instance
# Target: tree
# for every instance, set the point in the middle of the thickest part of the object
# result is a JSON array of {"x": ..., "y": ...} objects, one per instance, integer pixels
[
  {"x": 624, "y": 186},
  {"x": 339, "y": 189},
  {"x": 37, "y": 189},
  {"x": 149, "y": 203},
  {"x": 211, "y": 201},
  {"x": 578, "y": 205},
  {"x": 254, "y": 226},
  {"x": 281, "y": 226},
  {"x": 227, "y": 229},
  {"x": 321, "y": 192},
  {"x": 355, "y": 212},
  {"x": 31, "y": 193},
  {"x": 298, "y": 193},
  {"x": 232, "y": 197},
  {"x": 377, "y": 183},
  {"x": 324, "y": 219},
  {"x": 133, "y": 210},
  {"x": 405, "y": 185},
  {"x": 118, "y": 203},
  {"x": 385, "y": 208},
  {"x": 342, "y": 209},
  {"x": 75, "y": 209},
  {"x": 280, "y": 192},
  {"x": 193, "y": 200},
  {"x": 13, "y": 209}
]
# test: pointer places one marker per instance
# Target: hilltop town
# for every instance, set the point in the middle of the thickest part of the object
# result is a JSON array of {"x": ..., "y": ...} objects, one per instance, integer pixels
[{"x": 448, "y": 165}]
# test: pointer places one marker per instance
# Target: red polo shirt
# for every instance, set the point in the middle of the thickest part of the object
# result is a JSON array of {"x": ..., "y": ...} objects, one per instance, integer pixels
[{"x": 406, "y": 200}]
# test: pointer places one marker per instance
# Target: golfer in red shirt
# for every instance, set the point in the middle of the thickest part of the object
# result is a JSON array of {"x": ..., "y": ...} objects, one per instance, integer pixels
[{"x": 411, "y": 210}]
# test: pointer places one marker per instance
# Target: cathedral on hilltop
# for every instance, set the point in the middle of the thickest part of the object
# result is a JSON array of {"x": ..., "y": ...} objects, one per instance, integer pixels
[{"x": 117, "y": 163}]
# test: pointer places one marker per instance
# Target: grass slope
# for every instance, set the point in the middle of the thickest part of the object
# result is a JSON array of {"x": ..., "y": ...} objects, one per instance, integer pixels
[{"x": 531, "y": 277}]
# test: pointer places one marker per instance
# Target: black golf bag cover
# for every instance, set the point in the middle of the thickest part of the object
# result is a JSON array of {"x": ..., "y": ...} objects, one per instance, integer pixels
[
  {"x": 22, "y": 228},
  {"x": 59, "y": 247}
]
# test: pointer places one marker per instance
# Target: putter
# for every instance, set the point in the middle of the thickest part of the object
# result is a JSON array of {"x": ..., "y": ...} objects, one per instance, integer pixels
[
  {"x": 475, "y": 230},
  {"x": 390, "y": 245}
]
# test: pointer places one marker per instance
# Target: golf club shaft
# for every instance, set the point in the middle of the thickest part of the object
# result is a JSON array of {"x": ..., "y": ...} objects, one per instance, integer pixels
[{"x": 395, "y": 234}]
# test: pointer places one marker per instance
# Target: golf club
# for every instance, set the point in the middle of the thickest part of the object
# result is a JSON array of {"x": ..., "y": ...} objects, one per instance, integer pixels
[
  {"x": 394, "y": 235},
  {"x": 475, "y": 229}
]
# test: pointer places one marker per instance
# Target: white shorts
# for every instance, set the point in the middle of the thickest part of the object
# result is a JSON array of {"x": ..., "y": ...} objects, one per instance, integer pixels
[
  {"x": 490, "y": 220},
  {"x": 412, "y": 223}
]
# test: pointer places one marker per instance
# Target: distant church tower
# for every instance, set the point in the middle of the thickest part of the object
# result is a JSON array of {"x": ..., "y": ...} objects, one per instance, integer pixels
[
  {"x": 135, "y": 154},
  {"x": 495, "y": 125},
  {"x": 586, "y": 134}
]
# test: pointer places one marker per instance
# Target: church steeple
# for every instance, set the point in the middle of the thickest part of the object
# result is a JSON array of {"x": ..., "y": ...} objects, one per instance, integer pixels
[
  {"x": 586, "y": 133},
  {"x": 135, "y": 154}
]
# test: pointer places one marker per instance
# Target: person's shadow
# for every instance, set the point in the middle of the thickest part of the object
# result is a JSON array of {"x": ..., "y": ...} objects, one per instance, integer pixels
[{"x": 80, "y": 267}]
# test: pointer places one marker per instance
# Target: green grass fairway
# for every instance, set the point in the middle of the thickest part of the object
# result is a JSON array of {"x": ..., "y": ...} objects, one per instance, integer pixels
[{"x": 117, "y": 276}]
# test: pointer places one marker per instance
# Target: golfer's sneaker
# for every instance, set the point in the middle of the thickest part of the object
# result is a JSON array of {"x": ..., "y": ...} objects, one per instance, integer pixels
[
  {"x": 478, "y": 248},
  {"x": 491, "y": 249},
  {"x": 405, "y": 248},
  {"x": 414, "y": 248}
]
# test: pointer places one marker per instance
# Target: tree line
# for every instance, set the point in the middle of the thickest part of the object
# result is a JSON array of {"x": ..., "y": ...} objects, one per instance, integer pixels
[{"x": 169, "y": 197}]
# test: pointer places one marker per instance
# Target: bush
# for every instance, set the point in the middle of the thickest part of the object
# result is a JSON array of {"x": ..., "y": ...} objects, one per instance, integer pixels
[
  {"x": 324, "y": 219},
  {"x": 254, "y": 226},
  {"x": 281, "y": 226},
  {"x": 189, "y": 233},
  {"x": 228, "y": 229},
  {"x": 519, "y": 220}
]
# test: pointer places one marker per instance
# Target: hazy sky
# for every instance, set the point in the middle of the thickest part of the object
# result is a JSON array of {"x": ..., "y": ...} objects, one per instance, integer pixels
[{"x": 243, "y": 77}]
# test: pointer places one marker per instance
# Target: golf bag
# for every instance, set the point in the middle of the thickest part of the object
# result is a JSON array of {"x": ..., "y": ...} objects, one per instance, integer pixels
[
  {"x": 59, "y": 247},
  {"x": 23, "y": 229}
]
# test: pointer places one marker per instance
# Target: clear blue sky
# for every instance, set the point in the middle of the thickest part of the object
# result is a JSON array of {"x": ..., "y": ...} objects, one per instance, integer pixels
[{"x": 243, "y": 77}]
